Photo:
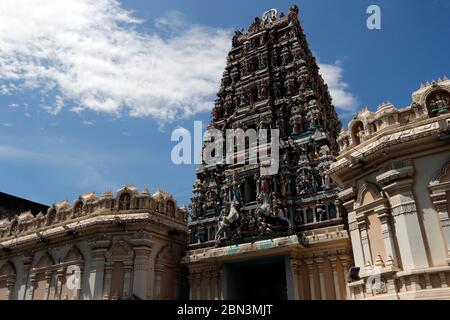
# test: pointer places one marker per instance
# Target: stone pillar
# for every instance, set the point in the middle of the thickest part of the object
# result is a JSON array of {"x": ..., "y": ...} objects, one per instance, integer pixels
[
  {"x": 388, "y": 234},
  {"x": 345, "y": 261},
  {"x": 439, "y": 198},
  {"x": 357, "y": 247},
  {"x": 295, "y": 268},
  {"x": 128, "y": 268},
  {"x": 198, "y": 285},
  {"x": 159, "y": 268},
  {"x": 191, "y": 283},
  {"x": 107, "y": 283},
  {"x": 215, "y": 281},
  {"x": 220, "y": 283},
  {"x": 428, "y": 284},
  {"x": 48, "y": 280},
  {"x": 362, "y": 226},
  {"x": 30, "y": 290},
  {"x": 60, "y": 274},
  {"x": 208, "y": 278},
  {"x": 319, "y": 263},
  {"x": 312, "y": 284},
  {"x": 176, "y": 283},
  {"x": 143, "y": 249},
  {"x": 97, "y": 268},
  {"x": 78, "y": 289},
  {"x": 305, "y": 217},
  {"x": 10, "y": 283},
  {"x": 407, "y": 226},
  {"x": 334, "y": 263},
  {"x": 26, "y": 277}
]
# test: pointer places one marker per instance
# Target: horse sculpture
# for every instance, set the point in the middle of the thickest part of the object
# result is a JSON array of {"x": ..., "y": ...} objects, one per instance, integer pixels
[
  {"x": 225, "y": 221},
  {"x": 266, "y": 209}
]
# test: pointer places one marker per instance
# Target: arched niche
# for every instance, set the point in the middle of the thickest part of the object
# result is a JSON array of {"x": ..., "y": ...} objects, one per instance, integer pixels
[
  {"x": 437, "y": 102},
  {"x": 41, "y": 276},
  {"x": 78, "y": 208},
  {"x": 367, "y": 194},
  {"x": 357, "y": 132},
  {"x": 119, "y": 268},
  {"x": 70, "y": 275},
  {"x": 124, "y": 201},
  {"x": 372, "y": 213},
  {"x": 166, "y": 274},
  {"x": 170, "y": 208}
]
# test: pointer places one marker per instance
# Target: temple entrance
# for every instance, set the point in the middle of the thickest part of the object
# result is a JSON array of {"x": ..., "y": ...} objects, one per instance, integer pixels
[{"x": 263, "y": 279}]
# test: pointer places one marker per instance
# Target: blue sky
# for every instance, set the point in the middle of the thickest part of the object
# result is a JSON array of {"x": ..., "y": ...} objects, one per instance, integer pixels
[{"x": 91, "y": 91}]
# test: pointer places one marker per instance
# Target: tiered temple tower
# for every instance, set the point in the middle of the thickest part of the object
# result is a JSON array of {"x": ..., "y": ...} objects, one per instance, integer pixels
[
  {"x": 271, "y": 81},
  {"x": 281, "y": 235}
]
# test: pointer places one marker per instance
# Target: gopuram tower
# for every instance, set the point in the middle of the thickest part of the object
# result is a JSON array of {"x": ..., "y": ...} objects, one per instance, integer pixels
[{"x": 282, "y": 235}]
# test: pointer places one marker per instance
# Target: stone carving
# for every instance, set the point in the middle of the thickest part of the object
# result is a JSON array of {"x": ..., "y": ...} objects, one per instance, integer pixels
[
  {"x": 285, "y": 92},
  {"x": 89, "y": 203},
  {"x": 438, "y": 102},
  {"x": 238, "y": 38}
]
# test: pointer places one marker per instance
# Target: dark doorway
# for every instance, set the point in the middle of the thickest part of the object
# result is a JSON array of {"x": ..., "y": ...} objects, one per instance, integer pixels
[{"x": 263, "y": 279}]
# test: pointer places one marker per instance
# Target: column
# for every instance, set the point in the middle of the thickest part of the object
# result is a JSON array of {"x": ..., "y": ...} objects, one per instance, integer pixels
[
  {"x": 219, "y": 283},
  {"x": 215, "y": 281},
  {"x": 295, "y": 267},
  {"x": 388, "y": 235},
  {"x": 128, "y": 268},
  {"x": 107, "y": 284},
  {"x": 439, "y": 198},
  {"x": 78, "y": 289},
  {"x": 362, "y": 226},
  {"x": 176, "y": 283},
  {"x": 428, "y": 284},
  {"x": 345, "y": 261},
  {"x": 334, "y": 262},
  {"x": 407, "y": 226},
  {"x": 141, "y": 271},
  {"x": 10, "y": 287},
  {"x": 208, "y": 278},
  {"x": 27, "y": 261},
  {"x": 60, "y": 273},
  {"x": 30, "y": 290},
  {"x": 158, "y": 275},
  {"x": 312, "y": 285},
  {"x": 97, "y": 268},
  {"x": 198, "y": 281},
  {"x": 191, "y": 283},
  {"x": 355, "y": 234},
  {"x": 48, "y": 279},
  {"x": 319, "y": 263}
]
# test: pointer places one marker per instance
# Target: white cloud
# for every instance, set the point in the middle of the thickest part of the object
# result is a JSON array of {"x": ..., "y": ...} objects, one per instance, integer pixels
[
  {"x": 89, "y": 53},
  {"x": 342, "y": 98},
  {"x": 88, "y": 122}
]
